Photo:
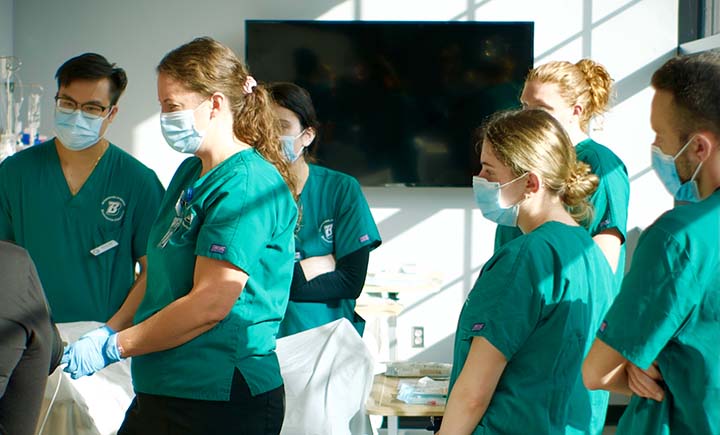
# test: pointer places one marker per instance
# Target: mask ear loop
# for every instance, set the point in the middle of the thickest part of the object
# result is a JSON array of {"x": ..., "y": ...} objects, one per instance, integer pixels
[
  {"x": 514, "y": 179},
  {"x": 683, "y": 148}
]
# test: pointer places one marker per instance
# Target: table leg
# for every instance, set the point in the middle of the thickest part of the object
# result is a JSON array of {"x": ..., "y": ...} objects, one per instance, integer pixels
[
  {"x": 392, "y": 425},
  {"x": 392, "y": 338}
]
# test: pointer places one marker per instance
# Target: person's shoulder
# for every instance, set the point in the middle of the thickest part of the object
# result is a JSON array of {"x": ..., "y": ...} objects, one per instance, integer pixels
[
  {"x": 598, "y": 156},
  {"x": 30, "y": 156},
  {"x": 700, "y": 217},
  {"x": 338, "y": 180},
  {"x": 129, "y": 163},
  {"x": 553, "y": 240},
  {"x": 11, "y": 253}
]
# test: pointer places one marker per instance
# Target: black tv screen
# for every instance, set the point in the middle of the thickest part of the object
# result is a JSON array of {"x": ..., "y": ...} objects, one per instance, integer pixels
[{"x": 399, "y": 102}]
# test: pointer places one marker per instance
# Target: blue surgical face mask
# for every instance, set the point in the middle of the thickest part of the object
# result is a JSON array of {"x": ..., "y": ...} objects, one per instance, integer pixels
[
  {"x": 666, "y": 170},
  {"x": 75, "y": 131},
  {"x": 487, "y": 196},
  {"x": 288, "y": 144},
  {"x": 179, "y": 131}
]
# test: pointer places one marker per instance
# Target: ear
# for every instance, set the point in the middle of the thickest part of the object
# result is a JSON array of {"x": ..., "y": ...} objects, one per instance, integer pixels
[
  {"x": 577, "y": 110},
  {"x": 705, "y": 143},
  {"x": 533, "y": 183},
  {"x": 113, "y": 112},
  {"x": 217, "y": 100},
  {"x": 308, "y": 136}
]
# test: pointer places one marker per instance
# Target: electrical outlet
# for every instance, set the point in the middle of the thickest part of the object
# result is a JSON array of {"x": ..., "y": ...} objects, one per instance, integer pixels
[{"x": 418, "y": 336}]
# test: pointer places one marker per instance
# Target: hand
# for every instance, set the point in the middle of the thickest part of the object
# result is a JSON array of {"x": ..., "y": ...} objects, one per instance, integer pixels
[
  {"x": 92, "y": 352},
  {"x": 646, "y": 383}
]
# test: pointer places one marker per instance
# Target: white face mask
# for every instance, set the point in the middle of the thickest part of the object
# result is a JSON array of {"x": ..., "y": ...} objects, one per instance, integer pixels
[
  {"x": 179, "y": 131},
  {"x": 487, "y": 197},
  {"x": 288, "y": 144}
]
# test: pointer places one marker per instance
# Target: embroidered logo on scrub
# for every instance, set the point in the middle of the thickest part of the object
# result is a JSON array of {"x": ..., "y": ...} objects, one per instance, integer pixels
[
  {"x": 326, "y": 230},
  {"x": 364, "y": 238},
  {"x": 113, "y": 208},
  {"x": 218, "y": 249},
  {"x": 603, "y": 326},
  {"x": 477, "y": 327}
]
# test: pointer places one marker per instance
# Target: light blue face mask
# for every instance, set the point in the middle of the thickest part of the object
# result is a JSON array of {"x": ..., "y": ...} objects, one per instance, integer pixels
[
  {"x": 487, "y": 197},
  {"x": 178, "y": 129},
  {"x": 75, "y": 131},
  {"x": 288, "y": 144},
  {"x": 666, "y": 170}
]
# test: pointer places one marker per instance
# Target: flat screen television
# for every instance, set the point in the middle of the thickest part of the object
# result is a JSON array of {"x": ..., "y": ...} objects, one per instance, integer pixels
[{"x": 399, "y": 102}]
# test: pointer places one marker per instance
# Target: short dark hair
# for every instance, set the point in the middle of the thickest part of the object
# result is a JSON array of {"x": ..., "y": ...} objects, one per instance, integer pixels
[
  {"x": 694, "y": 82},
  {"x": 297, "y": 100},
  {"x": 92, "y": 66}
]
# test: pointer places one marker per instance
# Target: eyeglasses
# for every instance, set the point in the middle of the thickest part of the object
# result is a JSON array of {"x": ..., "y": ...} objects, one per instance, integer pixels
[{"x": 88, "y": 110}]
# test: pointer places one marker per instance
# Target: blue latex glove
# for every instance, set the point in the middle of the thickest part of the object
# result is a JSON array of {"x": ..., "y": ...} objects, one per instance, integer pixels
[{"x": 93, "y": 351}]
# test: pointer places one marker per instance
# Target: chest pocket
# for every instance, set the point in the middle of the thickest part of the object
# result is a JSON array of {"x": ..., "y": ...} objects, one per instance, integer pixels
[
  {"x": 107, "y": 238},
  {"x": 187, "y": 228}
]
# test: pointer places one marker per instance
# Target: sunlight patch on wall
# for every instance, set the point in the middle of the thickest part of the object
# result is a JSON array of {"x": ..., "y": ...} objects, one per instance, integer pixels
[
  {"x": 404, "y": 10},
  {"x": 342, "y": 11},
  {"x": 641, "y": 44}
]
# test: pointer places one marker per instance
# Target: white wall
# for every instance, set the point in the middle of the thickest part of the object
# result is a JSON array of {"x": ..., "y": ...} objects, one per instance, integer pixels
[
  {"x": 437, "y": 229},
  {"x": 6, "y": 27}
]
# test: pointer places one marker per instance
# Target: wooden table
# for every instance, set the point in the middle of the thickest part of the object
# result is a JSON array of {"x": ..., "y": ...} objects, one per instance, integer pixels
[{"x": 383, "y": 401}]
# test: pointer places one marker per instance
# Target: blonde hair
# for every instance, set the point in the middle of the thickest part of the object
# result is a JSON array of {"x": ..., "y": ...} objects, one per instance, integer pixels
[
  {"x": 586, "y": 83},
  {"x": 534, "y": 141},
  {"x": 206, "y": 66}
]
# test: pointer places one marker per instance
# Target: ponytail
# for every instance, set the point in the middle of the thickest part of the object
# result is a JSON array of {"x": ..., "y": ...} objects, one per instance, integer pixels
[
  {"x": 576, "y": 190},
  {"x": 599, "y": 90},
  {"x": 255, "y": 123}
]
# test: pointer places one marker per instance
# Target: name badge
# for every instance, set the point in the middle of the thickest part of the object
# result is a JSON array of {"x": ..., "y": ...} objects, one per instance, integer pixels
[{"x": 104, "y": 247}]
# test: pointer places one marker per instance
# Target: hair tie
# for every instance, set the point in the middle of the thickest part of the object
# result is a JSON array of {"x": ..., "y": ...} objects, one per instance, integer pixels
[{"x": 250, "y": 83}]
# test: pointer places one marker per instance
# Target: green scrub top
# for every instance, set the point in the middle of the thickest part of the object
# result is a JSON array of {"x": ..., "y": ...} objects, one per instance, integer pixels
[
  {"x": 610, "y": 203},
  {"x": 336, "y": 219},
  {"x": 85, "y": 246},
  {"x": 538, "y": 301},
  {"x": 241, "y": 212},
  {"x": 669, "y": 311}
]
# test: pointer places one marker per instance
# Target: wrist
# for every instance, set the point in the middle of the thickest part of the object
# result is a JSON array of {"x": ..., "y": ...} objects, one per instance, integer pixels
[{"x": 113, "y": 349}]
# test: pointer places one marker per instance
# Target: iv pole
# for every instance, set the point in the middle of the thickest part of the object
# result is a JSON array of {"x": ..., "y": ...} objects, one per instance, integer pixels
[{"x": 11, "y": 99}]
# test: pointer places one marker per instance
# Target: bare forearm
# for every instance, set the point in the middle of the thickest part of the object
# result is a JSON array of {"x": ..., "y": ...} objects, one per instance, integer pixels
[
  {"x": 176, "y": 324},
  {"x": 618, "y": 383},
  {"x": 463, "y": 412},
  {"x": 315, "y": 266},
  {"x": 123, "y": 318},
  {"x": 604, "y": 368}
]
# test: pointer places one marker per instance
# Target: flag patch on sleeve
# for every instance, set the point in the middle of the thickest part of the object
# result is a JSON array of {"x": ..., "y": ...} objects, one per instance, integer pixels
[
  {"x": 217, "y": 249},
  {"x": 364, "y": 238},
  {"x": 478, "y": 327}
]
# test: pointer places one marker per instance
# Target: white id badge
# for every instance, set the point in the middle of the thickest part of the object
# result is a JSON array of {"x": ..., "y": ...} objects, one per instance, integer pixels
[{"x": 104, "y": 247}]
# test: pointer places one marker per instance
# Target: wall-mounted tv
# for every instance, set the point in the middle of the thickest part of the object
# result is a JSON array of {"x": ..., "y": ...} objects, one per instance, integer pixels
[{"x": 399, "y": 102}]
